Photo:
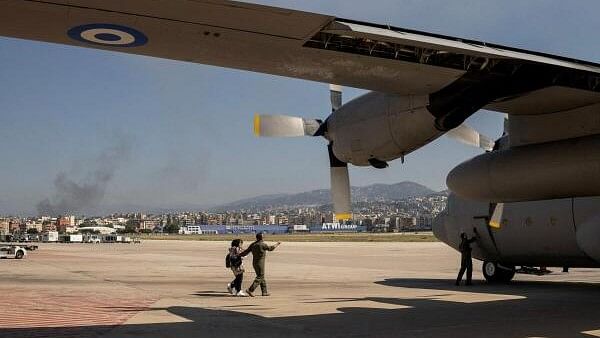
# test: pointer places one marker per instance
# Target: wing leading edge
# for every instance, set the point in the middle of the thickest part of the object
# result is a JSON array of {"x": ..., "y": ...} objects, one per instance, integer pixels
[{"x": 456, "y": 72}]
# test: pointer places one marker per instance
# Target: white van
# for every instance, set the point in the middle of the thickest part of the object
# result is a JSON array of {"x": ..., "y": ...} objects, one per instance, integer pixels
[{"x": 50, "y": 236}]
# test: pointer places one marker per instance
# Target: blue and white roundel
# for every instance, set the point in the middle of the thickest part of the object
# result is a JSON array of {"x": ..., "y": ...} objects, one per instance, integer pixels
[{"x": 108, "y": 35}]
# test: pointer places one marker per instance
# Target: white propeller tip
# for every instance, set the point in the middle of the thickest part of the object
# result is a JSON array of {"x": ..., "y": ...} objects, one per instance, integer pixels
[{"x": 335, "y": 88}]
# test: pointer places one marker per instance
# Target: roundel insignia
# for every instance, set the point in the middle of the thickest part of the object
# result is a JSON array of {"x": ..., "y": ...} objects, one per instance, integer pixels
[{"x": 108, "y": 35}]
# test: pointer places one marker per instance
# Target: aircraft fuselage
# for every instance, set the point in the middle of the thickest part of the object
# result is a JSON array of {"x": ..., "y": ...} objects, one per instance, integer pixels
[{"x": 560, "y": 232}]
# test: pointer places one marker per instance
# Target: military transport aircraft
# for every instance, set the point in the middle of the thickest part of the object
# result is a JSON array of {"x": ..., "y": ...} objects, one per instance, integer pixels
[{"x": 532, "y": 196}]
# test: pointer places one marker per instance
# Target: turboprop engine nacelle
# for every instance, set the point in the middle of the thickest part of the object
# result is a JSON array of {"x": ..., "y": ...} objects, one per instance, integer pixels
[
  {"x": 568, "y": 168},
  {"x": 378, "y": 126}
]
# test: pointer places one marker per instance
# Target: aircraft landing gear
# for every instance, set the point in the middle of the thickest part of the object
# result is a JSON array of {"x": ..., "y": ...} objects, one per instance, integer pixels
[{"x": 497, "y": 273}]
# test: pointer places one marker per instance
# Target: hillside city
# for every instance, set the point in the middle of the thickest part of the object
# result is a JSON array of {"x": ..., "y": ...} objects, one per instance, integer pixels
[{"x": 377, "y": 212}]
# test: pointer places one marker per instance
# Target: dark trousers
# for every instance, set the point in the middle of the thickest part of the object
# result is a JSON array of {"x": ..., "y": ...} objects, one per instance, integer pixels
[
  {"x": 237, "y": 282},
  {"x": 465, "y": 264}
]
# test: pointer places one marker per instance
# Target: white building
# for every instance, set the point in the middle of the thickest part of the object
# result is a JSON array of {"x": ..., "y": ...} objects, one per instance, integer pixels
[{"x": 194, "y": 230}]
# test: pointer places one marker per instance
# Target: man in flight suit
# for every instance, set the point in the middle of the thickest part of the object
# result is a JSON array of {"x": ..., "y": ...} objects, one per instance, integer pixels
[
  {"x": 465, "y": 257},
  {"x": 259, "y": 253}
]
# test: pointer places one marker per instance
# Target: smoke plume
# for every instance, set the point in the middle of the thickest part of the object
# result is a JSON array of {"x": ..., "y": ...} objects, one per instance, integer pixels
[{"x": 73, "y": 197}]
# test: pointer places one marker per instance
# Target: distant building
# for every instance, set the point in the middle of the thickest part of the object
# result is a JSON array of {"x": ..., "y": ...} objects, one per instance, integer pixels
[
  {"x": 14, "y": 226},
  {"x": 186, "y": 221},
  {"x": 425, "y": 222},
  {"x": 194, "y": 230},
  {"x": 48, "y": 226},
  {"x": 118, "y": 227},
  {"x": 407, "y": 223},
  {"x": 62, "y": 223},
  {"x": 71, "y": 229},
  {"x": 298, "y": 228},
  {"x": 150, "y": 224},
  {"x": 215, "y": 219},
  {"x": 4, "y": 227},
  {"x": 34, "y": 225},
  {"x": 381, "y": 227}
]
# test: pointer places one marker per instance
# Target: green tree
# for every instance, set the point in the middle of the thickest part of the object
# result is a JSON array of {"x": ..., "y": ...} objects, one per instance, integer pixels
[
  {"x": 132, "y": 226},
  {"x": 32, "y": 231},
  {"x": 171, "y": 228}
]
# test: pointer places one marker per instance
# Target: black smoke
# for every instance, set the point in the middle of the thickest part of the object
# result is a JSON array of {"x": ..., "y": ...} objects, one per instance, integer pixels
[{"x": 72, "y": 197}]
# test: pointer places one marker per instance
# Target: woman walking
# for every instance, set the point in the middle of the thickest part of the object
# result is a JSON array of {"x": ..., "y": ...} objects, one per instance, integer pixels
[{"x": 237, "y": 267}]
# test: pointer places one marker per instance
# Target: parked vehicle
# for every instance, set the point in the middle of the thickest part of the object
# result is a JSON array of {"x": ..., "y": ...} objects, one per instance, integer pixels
[
  {"x": 7, "y": 238},
  {"x": 92, "y": 238},
  {"x": 73, "y": 238},
  {"x": 12, "y": 251},
  {"x": 50, "y": 236},
  {"x": 109, "y": 238}
]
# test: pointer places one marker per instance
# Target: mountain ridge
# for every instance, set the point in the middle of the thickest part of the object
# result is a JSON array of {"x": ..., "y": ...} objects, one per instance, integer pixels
[{"x": 374, "y": 192}]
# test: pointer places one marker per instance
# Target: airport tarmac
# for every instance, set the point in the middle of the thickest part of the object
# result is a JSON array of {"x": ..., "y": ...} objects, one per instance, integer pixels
[{"x": 177, "y": 289}]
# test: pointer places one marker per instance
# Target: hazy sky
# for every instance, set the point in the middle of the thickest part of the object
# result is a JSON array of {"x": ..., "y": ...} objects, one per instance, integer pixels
[{"x": 181, "y": 134}]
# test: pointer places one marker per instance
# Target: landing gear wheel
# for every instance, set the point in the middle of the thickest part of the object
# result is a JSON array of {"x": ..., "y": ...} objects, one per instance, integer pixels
[
  {"x": 497, "y": 273},
  {"x": 19, "y": 254}
]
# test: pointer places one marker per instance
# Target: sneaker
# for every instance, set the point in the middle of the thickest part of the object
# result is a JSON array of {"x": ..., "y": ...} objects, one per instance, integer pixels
[
  {"x": 242, "y": 294},
  {"x": 250, "y": 293},
  {"x": 266, "y": 294},
  {"x": 230, "y": 289}
]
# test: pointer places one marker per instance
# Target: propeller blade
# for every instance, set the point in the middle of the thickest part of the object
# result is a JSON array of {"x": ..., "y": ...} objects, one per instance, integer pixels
[
  {"x": 496, "y": 219},
  {"x": 335, "y": 93},
  {"x": 284, "y": 126},
  {"x": 340, "y": 188},
  {"x": 467, "y": 135}
]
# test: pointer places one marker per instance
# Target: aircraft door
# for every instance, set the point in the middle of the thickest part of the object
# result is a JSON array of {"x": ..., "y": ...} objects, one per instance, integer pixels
[
  {"x": 462, "y": 216},
  {"x": 487, "y": 243},
  {"x": 586, "y": 213}
]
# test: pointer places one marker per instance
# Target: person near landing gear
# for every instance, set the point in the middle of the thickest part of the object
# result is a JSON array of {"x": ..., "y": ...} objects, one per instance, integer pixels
[
  {"x": 466, "y": 263},
  {"x": 259, "y": 253}
]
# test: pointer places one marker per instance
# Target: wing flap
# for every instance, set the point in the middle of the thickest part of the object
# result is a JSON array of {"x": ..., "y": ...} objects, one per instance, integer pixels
[
  {"x": 446, "y": 44},
  {"x": 546, "y": 101}
]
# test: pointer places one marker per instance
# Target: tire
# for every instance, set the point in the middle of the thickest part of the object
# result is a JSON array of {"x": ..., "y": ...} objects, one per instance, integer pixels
[
  {"x": 19, "y": 254},
  {"x": 497, "y": 273}
]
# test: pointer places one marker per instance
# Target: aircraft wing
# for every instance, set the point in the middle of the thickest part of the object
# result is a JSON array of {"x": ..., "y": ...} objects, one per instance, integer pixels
[{"x": 313, "y": 47}]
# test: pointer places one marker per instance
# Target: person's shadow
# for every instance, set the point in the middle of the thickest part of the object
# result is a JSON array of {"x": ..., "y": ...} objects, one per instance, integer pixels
[{"x": 542, "y": 309}]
